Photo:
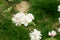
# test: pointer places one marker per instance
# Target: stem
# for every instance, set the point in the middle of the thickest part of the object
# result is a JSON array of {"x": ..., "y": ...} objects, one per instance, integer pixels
[
  {"x": 52, "y": 38},
  {"x": 33, "y": 23}
]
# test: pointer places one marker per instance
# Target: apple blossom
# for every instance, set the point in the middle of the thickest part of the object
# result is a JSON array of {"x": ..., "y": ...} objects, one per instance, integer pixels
[
  {"x": 58, "y": 8},
  {"x": 35, "y": 35},
  {"x": 22, "y": 18},
  {"x": 52, "y": 33},
  {"x": 58, "y": 30}
]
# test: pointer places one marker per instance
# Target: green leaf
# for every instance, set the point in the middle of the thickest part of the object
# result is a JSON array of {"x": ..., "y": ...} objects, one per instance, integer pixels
[
  {"x": 10, "y": 0},
  {"x": 8, "y": 9},
  {"x": 51, "y": 39}
]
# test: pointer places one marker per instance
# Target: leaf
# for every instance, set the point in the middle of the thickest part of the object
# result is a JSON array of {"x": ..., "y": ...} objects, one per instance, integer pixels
[
  {"x": 51, "y": 39},
  {"x": 8, "y": 9},
  {"x": 10, "y": 0}
]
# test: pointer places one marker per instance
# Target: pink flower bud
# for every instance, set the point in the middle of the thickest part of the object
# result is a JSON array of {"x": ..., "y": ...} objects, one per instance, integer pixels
[{"x": 52, "y": 33}]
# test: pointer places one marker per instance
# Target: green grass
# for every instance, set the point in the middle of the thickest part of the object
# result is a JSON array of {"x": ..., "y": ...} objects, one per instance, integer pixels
[{"x": 44, "y": 11}]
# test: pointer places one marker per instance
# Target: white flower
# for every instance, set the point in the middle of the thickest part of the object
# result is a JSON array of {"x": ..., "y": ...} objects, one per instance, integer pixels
[
  {"x": 52, "y": 33},
  {"x": 58, "y": 8},
  {"x": 58, "y": 30},
  {"x": 29, "y": 17},
  {"x": 18, "y": 18},
  {"x": 59, "y": 20},
  {"x": 22, "y": 18},
  {"x": 35, "y": 35}
]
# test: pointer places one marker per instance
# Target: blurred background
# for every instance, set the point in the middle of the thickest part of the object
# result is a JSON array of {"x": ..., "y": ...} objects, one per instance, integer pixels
[{"x": 44, "y": 11}]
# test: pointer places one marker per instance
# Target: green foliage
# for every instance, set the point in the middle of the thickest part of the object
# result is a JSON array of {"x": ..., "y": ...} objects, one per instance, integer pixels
[
  {"x": 44, "y": 11},
  {"x": 8, "y": 31},
  {"x": 51, "y": 39}
]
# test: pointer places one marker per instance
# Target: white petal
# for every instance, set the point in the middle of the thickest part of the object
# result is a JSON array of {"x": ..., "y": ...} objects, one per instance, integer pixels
[
  {"x": 58, "y": 29},
  {"x": 26, "y": 24}
]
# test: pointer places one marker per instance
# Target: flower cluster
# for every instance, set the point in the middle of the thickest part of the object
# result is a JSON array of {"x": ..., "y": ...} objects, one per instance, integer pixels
[
  {"x": 22, "y": 18},
  {"x": 58, "y": 29},
  {"x": 59, "y": 20},
  {"x": 58, "y": 8},
  {"x": 52, "y": 33},
  {"x": 35, "y": 35}
]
